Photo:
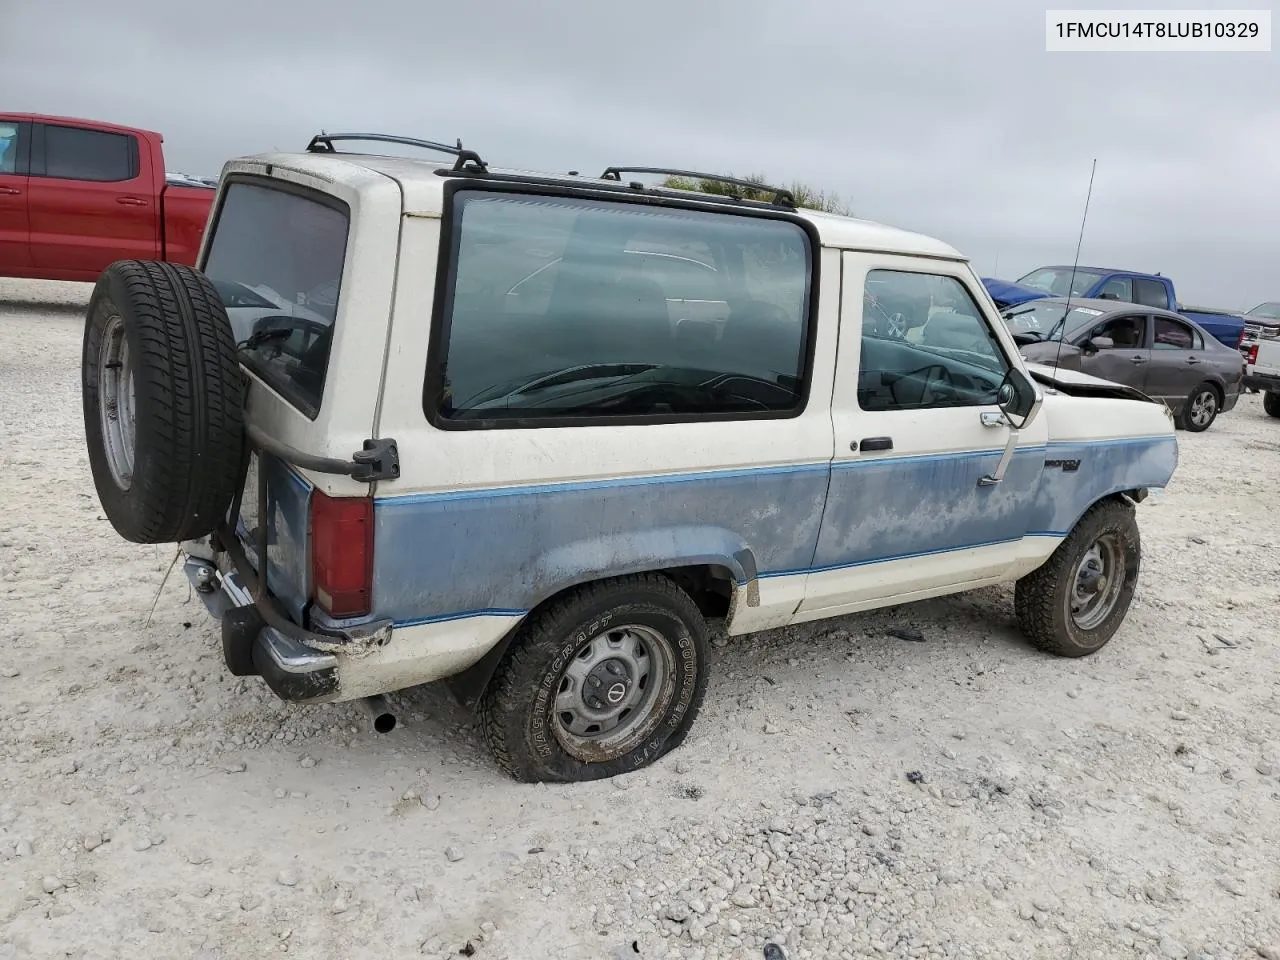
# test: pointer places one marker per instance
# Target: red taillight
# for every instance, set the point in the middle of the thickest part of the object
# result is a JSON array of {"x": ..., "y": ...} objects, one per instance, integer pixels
[
  {"x": 342, "y": 554},
  {"x": 1252, "y": 356},
  {"x": 1240, "y": 339}
]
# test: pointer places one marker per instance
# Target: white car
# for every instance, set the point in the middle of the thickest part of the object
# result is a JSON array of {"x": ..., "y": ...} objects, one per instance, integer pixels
[{"x": 542, "y": 484}]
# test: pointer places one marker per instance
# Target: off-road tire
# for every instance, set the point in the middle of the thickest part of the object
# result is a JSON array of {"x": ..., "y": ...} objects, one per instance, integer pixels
[
  {"x": 1184, "y": 418},
  {"x": 188, "y": 401},
  {"x": 517, "y": 711},
  {"x": 1271, "y": 403},
  {"x": 1041, "y": 598}
]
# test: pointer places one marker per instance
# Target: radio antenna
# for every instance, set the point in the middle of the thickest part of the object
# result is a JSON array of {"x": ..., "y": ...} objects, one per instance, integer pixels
[{"x": 1071, "y": 286}]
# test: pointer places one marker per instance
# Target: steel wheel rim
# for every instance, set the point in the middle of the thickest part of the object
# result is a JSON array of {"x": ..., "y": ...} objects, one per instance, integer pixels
[
  {"x": 116, "y": 402},
  {"x": 613, "y": 693},
  {"x": 1098, "y": 581},
  {"x": 1203, "y": 406}
]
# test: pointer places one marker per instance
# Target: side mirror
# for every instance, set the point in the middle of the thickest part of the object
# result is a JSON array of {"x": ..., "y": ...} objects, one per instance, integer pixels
[
  {"x": 1102, "y": 343},
  {"x": 1018, "y": 399}
]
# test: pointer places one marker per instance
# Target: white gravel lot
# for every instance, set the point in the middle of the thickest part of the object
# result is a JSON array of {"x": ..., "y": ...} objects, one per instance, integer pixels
[{"x": 843, "y": 794}]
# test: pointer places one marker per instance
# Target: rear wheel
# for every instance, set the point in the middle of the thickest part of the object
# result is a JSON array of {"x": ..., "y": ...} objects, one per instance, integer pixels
[
  {"x": 1073, "y": 604},
  {"x": 603, "y": 681},
  {"x": 163, "y": 401},
  {"x": 1271, "y": 403},
  {"x": 1200, "y": 409}
]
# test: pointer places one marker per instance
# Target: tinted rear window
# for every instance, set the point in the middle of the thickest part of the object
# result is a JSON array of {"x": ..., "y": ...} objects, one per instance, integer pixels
[
  {"x": 71, "y": 153},
  {"x": 276, "y": 259},
  {"x": 572, "y": 308}
]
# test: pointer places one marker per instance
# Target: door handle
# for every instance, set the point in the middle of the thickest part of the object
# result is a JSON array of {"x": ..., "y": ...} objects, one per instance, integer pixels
[
  {"x": 993, "y": 419},
  {"x": 868, "y": 444},
  {"x": 131, "y": 201},
  {"x": 1192, "y": 361},
  {"x": 1136, "y": 360},
  {"x": 10, "y": 191}
]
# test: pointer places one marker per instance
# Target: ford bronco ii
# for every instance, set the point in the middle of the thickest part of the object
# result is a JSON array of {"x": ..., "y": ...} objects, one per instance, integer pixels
[{"x": 414, "y": 421}]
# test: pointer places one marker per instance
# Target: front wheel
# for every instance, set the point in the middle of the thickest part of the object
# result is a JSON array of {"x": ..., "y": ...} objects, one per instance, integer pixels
[
  {"x": 1073, "y": 604},
  {"x": 1200, "y": 409},
  {"x": 1271, "y": 403},
  {"x": 603, "y": 681}
]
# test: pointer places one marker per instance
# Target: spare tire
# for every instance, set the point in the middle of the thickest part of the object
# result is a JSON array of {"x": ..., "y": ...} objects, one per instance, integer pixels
[{"x": 163, "y": 401}]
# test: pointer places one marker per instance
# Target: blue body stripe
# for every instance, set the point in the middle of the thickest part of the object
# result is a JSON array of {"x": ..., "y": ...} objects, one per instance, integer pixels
[{"x": 500, "y": 551}]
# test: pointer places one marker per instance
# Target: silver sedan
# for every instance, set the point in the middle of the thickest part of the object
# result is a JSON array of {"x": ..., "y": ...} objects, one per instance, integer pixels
[{"x": 1161, "y": 353}]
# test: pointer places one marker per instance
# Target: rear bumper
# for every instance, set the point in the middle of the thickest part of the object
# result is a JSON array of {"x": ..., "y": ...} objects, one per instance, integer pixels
[
  {"x": 1262, "y": 381},
  {"x": 292, "y": 670}
]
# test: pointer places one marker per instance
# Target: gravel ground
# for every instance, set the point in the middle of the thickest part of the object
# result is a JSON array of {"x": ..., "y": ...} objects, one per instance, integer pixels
[{"x": 843, "y": 794}]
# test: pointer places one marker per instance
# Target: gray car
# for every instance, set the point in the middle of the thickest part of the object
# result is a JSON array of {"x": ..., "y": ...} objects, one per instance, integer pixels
[{"x": 1159, "y": 352}]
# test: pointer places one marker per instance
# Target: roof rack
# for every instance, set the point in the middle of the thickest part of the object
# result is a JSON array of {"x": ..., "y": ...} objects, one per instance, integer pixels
[
  {"x": 781, "y": 195},
  {"x": 324, "y": 143}
]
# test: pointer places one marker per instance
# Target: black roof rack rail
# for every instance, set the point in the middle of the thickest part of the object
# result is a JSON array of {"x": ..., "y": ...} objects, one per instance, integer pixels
[
  {"x": 781, "y": 195},
  {"x": 323, "y": 143}
]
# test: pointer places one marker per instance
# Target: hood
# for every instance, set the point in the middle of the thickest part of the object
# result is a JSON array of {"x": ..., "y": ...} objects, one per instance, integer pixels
[
  {"x": 1007, "y": 294},
  {"x": 1076, "y": 384}
]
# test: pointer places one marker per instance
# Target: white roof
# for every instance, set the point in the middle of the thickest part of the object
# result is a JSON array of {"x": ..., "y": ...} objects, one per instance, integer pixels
[{"x": 423, "y": 192}]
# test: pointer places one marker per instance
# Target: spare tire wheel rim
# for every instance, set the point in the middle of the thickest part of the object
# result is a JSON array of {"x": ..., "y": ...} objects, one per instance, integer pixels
[
  {"x": 1098, "y": 582},
  {"x": 613, "y": 693},
  {"x": 116, "y": 401}
]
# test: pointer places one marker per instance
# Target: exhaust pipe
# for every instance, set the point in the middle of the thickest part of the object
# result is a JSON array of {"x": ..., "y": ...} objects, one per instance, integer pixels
[{"x": 384, "y": 721}]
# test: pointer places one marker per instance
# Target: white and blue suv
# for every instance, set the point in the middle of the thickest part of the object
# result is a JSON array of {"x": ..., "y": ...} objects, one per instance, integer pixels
[{"x": 415, "y": 421}]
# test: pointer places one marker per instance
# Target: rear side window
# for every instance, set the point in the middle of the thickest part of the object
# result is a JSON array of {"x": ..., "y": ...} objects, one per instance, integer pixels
[
  {"x": 1150, "y": 293},
  {"x": 1171, "y": 335},
  {"x": 561, "y": 309},
  {"x": 276, "y": 259},
  {"x": 72, "y": 153}
]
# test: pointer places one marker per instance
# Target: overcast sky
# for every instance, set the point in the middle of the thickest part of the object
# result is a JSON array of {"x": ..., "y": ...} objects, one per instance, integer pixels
[{"x": 943, "y": 117}]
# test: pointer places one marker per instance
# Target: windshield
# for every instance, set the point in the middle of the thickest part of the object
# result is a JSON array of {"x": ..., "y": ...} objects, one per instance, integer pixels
[
  {"x": 276, "y": 261},
  {"x": 1058, "y": 282},
  {"x": 1043, "y": 321},
  {"x": 1266, "y": 311}
]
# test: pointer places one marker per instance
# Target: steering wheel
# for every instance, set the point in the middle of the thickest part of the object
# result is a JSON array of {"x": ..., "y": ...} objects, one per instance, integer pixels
[{"x": 938, "y": 384}]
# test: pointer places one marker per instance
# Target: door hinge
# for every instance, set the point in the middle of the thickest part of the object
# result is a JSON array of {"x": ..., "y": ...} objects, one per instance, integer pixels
[{"x": 379, "y": 460}]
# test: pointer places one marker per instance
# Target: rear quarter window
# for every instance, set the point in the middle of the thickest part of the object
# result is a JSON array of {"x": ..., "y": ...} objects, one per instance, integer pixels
[
  {"x": 565, "y": 310},
  {"x": 275, "y": 257}
]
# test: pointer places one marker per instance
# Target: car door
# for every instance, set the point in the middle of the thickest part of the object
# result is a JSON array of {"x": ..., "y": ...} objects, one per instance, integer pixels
[
  {"x": 91, "y": 200},
  {"x": 1178, "y": 362},
  {"x": 918, "y": 502},
  {"x": 15, "y": 229},
  {"x": 1127, "y": 359}
]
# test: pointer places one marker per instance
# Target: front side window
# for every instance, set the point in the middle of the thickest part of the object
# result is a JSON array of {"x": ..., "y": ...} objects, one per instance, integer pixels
[
  {"x": 276, "y": 259},
  {"x": 1117, "y": 288},
  {"x": 73, "y": 153},
  {"x": 925, "y": 344},
  {"x": 582, "y": 308},
  {"x": 1124, "y": 332},
  {"x": 1172, "y": 335},
  {"x": 12, "y": 137}
]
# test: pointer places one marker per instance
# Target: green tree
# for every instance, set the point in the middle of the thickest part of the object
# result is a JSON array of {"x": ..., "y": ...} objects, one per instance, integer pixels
[{"x": 806, "y": 196}]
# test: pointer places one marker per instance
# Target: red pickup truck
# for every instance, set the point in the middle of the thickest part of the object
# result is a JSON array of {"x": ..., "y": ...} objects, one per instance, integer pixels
[{"x": 76, "y": 195}]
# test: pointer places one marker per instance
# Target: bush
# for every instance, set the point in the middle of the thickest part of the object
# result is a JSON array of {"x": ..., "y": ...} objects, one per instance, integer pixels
[{"x": 806, "y": 196}]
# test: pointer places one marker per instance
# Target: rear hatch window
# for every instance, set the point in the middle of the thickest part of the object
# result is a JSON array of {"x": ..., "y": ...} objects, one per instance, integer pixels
[{"x": 275, "y": 258}]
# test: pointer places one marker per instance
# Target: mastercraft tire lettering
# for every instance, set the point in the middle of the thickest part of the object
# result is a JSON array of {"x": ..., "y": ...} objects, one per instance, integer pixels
[{"x": 619, "y": 693}]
